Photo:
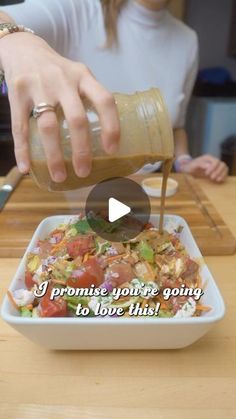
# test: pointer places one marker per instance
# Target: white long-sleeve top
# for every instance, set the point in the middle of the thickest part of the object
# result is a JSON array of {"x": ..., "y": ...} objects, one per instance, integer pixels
[{"x": 154, "y": 49}]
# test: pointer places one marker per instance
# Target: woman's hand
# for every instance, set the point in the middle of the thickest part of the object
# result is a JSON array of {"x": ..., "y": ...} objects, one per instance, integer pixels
[
  {"x": 35, "y": 73},
  {"x": 205, "y": 166}
]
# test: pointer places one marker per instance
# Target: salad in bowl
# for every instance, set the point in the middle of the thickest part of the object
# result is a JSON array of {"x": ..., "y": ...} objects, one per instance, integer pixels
[{"x": 73, "y": 259}]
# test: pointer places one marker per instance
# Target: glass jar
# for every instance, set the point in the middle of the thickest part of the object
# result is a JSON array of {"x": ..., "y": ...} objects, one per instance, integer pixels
[{"x": 146, "y": 137}]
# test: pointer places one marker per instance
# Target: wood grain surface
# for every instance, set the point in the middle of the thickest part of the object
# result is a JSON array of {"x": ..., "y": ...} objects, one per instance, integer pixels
[
  {"x": 28, "y": 205},
  {"x": 195, "y": 382}
]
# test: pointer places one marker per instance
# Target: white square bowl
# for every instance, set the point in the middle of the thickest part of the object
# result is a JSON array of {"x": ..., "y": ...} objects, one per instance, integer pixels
[{"x": 116, "y": 333}]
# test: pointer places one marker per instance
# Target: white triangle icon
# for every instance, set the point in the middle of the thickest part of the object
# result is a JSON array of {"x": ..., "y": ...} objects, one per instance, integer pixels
[{"x": 117, "y": 209}]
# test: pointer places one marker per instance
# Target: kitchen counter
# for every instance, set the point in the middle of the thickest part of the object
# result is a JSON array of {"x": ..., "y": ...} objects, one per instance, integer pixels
[{"x": 195, "y": 382}]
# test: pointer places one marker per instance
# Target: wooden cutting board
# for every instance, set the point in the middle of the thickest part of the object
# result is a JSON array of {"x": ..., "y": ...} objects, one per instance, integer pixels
[{"x": 28, "y": 205}]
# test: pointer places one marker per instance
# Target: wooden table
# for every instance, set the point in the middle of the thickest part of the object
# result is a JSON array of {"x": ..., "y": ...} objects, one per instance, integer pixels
[{"x": 196, "y": 382}]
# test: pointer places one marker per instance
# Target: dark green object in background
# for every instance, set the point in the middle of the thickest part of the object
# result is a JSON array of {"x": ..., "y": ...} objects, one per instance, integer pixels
[{"x": 6, "y": 2}]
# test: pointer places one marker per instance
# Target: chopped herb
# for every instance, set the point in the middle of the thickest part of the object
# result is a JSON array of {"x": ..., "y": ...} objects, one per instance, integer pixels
[
  {"x": 163, "y": 313},
  {"x": 82, "y": 226},
  {"x": 25, "y": 312},
  {"x": 101, "y": 247},
  {"x": 99, "y": 224},
  {"x": 74, "y": 301},
  {"x": 146, "y": 251}
]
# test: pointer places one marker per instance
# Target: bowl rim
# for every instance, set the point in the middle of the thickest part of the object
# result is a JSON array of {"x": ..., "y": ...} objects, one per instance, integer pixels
[
  {"x": 172, "y": 187},
  {"x": 174, "y": 183},
  {"x": 155, "y": 320}
]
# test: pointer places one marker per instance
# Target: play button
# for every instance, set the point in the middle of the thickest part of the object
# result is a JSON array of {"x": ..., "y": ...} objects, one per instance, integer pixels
[{"x": 117, "y": 209}]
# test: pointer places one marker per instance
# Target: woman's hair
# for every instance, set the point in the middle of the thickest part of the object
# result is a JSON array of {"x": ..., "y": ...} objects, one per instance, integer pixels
[{"x": 111, "y": 9}]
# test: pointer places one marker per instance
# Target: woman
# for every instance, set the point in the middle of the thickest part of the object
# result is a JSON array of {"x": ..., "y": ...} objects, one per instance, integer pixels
[{"x": 127, "y": 45}]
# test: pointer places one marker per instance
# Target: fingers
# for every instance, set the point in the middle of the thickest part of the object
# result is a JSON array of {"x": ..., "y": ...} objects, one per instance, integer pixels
[
  {"x": 212, "y": 168},
  {"x": 105, "y": 105},
  {"x": 208, "y": 158},
  {"x": 78, "y": 126},
  {"x": 37, "y": 89},
  {"x": 21, "y": 106},
  {"x": 49, "y": 134},
  {"x": 224, "y": 173},
  {"x": 20, "y": 111},
  {"x": 217, "y": 170},
  {"x": 196, "y": 167},
  {"x": 220, "y": 173}
]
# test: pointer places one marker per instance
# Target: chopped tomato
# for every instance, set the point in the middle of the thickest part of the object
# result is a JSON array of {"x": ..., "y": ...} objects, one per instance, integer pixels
[
  {"x": 82, "y": 280},
  {"x": 52, "y": 308},
  {"x": 90, "y": 273},
  {"x": 121, "y": 272},
  {"x": 29, "y": 282},
  {"x": 80, "y": 245},
  {"x": 93, "y": 267}
]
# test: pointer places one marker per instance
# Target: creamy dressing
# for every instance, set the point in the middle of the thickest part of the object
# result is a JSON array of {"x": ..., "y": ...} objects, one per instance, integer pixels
[{"x": 166, "y": 168}]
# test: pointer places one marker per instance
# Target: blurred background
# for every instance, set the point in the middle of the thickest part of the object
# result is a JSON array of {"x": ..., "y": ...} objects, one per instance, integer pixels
[{"x": 211, "y": 122}]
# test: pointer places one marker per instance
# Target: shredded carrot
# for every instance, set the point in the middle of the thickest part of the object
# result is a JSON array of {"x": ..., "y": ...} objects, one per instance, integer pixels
[
  {"x": 10, "y": 296},
  {"x": 164, "y": 306},
  {"x": 30, "y": 306},
  {"x": 163, "y": 303},
  {"x": 86, "y": 256},
  {"x": 91, "y": 252},
  {"x": 58, "y": 246},
  {"x": 111, "y": 259},
  {"x": 203, "y": 308},
  {"x": 143, "y": 303},
  {"x": 198, "y": 282}
]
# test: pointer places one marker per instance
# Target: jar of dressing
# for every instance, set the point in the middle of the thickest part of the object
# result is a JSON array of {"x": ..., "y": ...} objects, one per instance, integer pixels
[{"x": 146, "y": 137}]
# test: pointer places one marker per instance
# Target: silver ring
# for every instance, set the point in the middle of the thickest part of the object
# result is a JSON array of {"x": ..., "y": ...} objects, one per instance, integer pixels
[{"x": 42, "y": 107}]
